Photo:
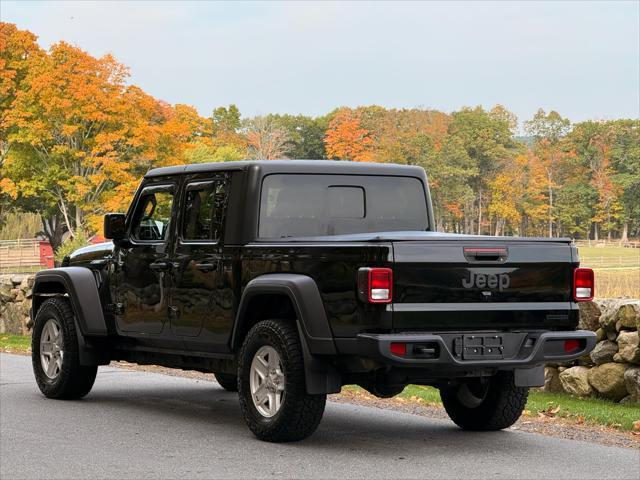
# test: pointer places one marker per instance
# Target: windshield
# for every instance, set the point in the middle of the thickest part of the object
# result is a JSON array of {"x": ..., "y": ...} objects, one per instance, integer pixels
[{"x": 317, "y": 205}]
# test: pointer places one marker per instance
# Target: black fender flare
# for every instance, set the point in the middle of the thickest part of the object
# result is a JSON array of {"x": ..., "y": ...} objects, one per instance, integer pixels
[
  {"x": 312, "y": 323},
  {"x": 79, "y": 286}
]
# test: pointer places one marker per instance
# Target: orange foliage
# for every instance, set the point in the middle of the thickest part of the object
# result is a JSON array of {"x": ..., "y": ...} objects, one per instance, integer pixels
[{"x": 346, "y": 139}]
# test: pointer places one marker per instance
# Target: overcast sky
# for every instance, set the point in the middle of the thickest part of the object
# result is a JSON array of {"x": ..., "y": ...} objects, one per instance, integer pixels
[{"x": 579, "y": 58}]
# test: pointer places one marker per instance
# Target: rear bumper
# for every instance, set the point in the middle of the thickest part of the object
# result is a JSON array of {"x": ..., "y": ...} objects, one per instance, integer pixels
[{"x": 465, "y": 350}]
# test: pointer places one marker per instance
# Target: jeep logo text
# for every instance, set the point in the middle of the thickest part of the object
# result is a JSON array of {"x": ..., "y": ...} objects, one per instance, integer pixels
[{"x": 489, "y": 280}]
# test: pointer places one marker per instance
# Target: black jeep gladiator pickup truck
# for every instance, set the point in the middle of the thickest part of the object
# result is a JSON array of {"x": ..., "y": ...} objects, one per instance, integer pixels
[{"x": 289, "y": 279}]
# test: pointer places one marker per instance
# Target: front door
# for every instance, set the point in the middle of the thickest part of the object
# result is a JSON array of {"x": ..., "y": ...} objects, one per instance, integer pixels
[
  {"x": 144, "y": 263},
  {"x": 198, "y": 273}
]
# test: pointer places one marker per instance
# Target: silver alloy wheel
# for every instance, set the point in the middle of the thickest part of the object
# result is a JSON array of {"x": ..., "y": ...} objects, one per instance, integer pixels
[
  {"x": 266, "y": 381},
  {"x": 51, "y": 348}
]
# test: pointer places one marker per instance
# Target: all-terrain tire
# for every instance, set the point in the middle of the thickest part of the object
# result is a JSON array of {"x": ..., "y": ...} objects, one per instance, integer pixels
[
  {"x": 300, "y": 413},
  {"x": 73, "y": 380},
  {"x": 227, "y": 381},
  {"x": 500, "y": 408}
]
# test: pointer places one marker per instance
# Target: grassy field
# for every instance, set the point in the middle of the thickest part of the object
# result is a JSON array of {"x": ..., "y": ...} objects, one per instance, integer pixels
[
  {"x": 583, "y": 410},
  {"x": 610, "y": 257},
  {"x": 617, "y": 270}
]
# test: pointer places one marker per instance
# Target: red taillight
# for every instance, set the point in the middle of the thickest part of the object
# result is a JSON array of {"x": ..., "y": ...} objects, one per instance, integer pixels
[
  {"x": 399, "y": 349},
  {"x": 571, "y": 345},
  {"x": 583, "y": 284},
  {"x": 375, "y": 285}
]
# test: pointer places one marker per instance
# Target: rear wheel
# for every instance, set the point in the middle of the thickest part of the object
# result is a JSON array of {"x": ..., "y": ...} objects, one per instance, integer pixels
[
  {"x": 490, "y": 403},
  {"x": 54, "y": 353},
  {"x": 227, "y": 381},
  {"x": 272, "y": 390}
]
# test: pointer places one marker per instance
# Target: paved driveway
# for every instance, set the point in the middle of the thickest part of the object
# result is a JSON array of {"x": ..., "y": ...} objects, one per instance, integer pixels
[{"x": 145, "y": 425}]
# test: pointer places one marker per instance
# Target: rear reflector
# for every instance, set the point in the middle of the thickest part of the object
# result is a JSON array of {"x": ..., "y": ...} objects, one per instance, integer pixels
[
  {"x": 375, "y": 285},
  {"x": 583, "y": 284},
  {"x": 571, "y": 345},
  {"x": 399, "y": 349}
]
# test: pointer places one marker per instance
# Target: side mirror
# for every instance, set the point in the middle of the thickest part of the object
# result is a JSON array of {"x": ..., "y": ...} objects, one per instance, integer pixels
[{"x": 115, "y": 226}]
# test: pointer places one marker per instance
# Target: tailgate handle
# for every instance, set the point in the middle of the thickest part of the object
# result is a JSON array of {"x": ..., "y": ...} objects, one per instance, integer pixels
[{"x": 485, "y": 254}]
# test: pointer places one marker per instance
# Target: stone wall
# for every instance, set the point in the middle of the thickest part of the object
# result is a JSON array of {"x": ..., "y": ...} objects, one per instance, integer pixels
[
  {"x": 612, "y": 370},
  {"x": 15, "y": 301}
]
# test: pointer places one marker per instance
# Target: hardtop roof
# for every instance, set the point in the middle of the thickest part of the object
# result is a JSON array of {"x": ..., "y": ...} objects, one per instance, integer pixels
[{"x": 267, "y": 167}]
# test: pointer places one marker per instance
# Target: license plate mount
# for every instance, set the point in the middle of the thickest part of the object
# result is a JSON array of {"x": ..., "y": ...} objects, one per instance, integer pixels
[{"x": 482, "y": 347}]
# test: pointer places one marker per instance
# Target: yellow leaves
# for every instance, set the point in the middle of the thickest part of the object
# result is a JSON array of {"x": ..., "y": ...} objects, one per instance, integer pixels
[{"x": 9, "y": 188}]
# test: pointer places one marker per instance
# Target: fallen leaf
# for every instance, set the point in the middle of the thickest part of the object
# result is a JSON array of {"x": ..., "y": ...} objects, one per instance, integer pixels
[{"x": 636, "y": 425}]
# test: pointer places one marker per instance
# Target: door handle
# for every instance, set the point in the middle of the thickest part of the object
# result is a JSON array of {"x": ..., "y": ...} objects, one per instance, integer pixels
[
  {"x": 159, "y": 266},
  {"x": 205, "y": 266}
]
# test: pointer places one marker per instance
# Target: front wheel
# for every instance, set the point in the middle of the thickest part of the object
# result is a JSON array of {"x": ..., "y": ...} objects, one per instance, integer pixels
[
  {"x": 54, "y": 353},
  {"x": 273, "y": 397},
  {"x": 492, "y": 403}
]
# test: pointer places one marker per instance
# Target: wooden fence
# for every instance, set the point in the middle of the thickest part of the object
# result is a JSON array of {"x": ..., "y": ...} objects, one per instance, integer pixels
[{"x": 25, "y": 255}]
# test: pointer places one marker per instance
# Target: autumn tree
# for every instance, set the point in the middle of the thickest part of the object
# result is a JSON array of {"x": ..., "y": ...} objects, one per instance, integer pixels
[
  {"x": 625, "y": 162},
  {"x": 81, "y": 138},
  {"x": 449, "y": 170},
  {"x": 548, "y": 131},
  {"x": 593, "y": 144},
  {"x": 305, "y": 135},
  {"x": 488, "y": 139},
  {"x": 65, "y": 127},
  {"x": 18, "y": 49},
  {"x": 518, "y": 195},
  {"x": 346, "y": 139},
  {"x": 267, "y": 140},
  {"x": 226, "y": 119}
]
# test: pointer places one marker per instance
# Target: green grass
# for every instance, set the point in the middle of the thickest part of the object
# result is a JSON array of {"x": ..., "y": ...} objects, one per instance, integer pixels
[
  {"x": 15, "y": 343},
  {"x": 588, "y": 410},
  {"x": 592, "y": 410}
]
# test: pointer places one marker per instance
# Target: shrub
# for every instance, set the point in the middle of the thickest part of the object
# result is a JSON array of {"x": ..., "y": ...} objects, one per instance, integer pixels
[{"x": 70, "y": 245}]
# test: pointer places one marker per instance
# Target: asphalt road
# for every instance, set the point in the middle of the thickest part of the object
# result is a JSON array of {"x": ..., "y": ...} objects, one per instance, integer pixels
[{"x": 145, "y": 425}]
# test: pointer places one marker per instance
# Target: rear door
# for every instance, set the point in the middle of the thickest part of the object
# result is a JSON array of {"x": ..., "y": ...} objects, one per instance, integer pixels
[
  {"x": 502, "y": 284},
  {"x": 198, "y": 304}
]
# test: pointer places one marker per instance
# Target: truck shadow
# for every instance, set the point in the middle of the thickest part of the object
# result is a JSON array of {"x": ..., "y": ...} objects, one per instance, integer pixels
[{"x": 344, "y": 428}]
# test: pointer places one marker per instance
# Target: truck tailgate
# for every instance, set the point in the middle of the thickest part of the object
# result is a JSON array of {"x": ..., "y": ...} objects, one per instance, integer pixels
[{"x": 506, "y": 283}]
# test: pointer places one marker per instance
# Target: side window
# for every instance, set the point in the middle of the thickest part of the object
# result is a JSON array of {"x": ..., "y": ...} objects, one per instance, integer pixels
[
  {"x": 153, "y": 216},
  {"x": 204, "y": 209}
]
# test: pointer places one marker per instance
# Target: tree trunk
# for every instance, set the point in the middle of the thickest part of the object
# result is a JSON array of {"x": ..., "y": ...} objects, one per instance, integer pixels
[
  {"x": 550, "y": 212},
  {"x": 79, "y": 219},
  {"x": 625, "y": 233},
  {"x": 480, "y": 211},
  {"x": 53, "y": 229}
]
